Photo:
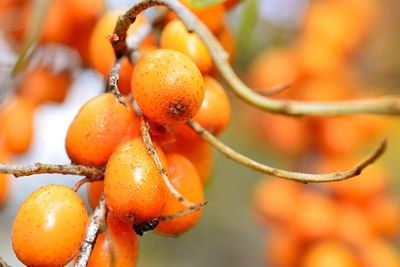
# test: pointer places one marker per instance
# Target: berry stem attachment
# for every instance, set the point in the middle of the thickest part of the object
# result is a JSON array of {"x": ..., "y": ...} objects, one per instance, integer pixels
[
  {"x": 289, "y": 175},
  {"x": 96, "y": 226},
  {"x": 80, "y": 183},
  {"x": 93, "y": 173},
  {"x": 389, "y": 105},
  {"x": 144, "y": 128}
]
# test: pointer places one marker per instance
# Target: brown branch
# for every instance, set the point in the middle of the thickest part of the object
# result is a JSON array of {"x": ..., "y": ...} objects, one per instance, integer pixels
[
  {"x": 93, "y": 173},
  {"x": 81, "y": 182},
  {"x": 384, "y": 105},
  {"x": 3, "y": 263},
  {"x": 295, "y": 176},
  {"x": 183, "y": 213},
  {"x": 96, "y": 226},
  {"x": 113, "y": 81},
  {"x": 144, "y": 128}
]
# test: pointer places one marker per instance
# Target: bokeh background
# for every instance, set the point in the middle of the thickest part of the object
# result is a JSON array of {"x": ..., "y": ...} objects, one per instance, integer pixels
[{"x": 233, "y": 231}]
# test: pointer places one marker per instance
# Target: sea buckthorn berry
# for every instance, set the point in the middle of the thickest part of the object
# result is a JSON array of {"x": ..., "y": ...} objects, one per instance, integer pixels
[
  {"x": 118, "y": 246},
  {"x": 101, "y": 53},
  {"x": 211, "y": 15},
  {"x": 49, "y": 227},
  {"x": 227, "y": 40},
  {"x": 175, "y": 36},
  {"x": 215, "y": 111},
  {"x": 133, "y": 186},
  {"x": 184, "y": 178},
  {"x": 100, "y": 126},
  {"x": 16, "y": 124},
  {"x": 167, "y": 86},
  {"x": 197, "y": 151},
  {"x": 94, "y": 191},
  {"x": 43, "y": 85}
]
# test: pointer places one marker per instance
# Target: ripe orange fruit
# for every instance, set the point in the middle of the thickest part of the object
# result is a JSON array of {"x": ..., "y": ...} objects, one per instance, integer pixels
[
  {"x": 42, "y": 85},
  {"x": 16, "y": 124},
  {"x": 101, "y": 53},
  {"x": 315, "y": 217},
  {"x": 133, "y": 186},
  {"x": 49, "y": 227},
  {"x": 330, "y": 253},
  {"x": 167, "y": 86},
  {"x": 175, "y": 36},
  {"x": 276, "y": 200},
  {"x": 377, "y": 252},
  {"x": 118, "y": 246},
  {"x": 184, "y": 178},
  {"x": 214, "y": 113},
  {"x": 100, "y": 126},
  {"x": 228, "y": 4},
  {"x": 197, "y": 151},
  {"x": 283, "y": 248},
  {"x": 94, "y": 191},
  {"x": 227, "y": 40}
]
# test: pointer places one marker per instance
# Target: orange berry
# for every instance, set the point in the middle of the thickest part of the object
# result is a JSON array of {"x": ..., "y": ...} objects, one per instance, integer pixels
[
  {"x": 42, "y": 85},
  {"x": 315, "y": 217},
  {"x": 101, "y": 53},
  {"x": 100, "y": 126},
  {"x": 49, "y": 227},
  {"x": 16, "y": 124},
  {"x": 118, "y": 246},
  {"x": 214, "y": 113},
  {"x": 175, "y": 36},
  {"x": 228, "y": 4},
  {"x": 197, "y": 151},
  {"x": 383, "y": 213},
  {"x": 184, "y": 178},
  {"x": 211, "y": 15},
  {"x": 330, "y": 253},
  {"x": 276, "y": 200},
  {"x": 133, "y": 186},
  {"x": 377, "y": 252},
  {"x": 283, "y": 249},
  {"x": 94, "y": 191},
  {"x": 167, "y": 86}
]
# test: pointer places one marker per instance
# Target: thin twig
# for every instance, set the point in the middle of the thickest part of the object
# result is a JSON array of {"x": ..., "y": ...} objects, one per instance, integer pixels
[
  {"x": 275, "y": 90},
  {"x": 3, "y": 263},
  {"x": 295, "y": 176},
  {"x": 96, "y": 226},
  {"x": 183, "y": 213},
  {"x": 113, "y": 81},
  {"x": 81, "y": 182},
  {"x": 144, "y": 128},
  {"x": 384, "y": 105},
  {"x": 93, "y": 173}
]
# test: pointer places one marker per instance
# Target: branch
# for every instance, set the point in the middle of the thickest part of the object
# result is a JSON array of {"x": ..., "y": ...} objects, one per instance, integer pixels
[
  {"x": 289, "y": 175},
  {"x": 113, "y": 81},
  {"x": 144, "y": 128},
  {"x": 96, "y": 226},
  {"x": 383, "y": 105},
  {"x": 93, "y": 173},
  {"x": 3, "y": 263}
]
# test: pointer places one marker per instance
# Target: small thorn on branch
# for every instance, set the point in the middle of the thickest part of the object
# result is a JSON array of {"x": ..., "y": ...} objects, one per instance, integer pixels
[
  {"x": 295, "y": 176},
  {"x": 113, "y": 82}
]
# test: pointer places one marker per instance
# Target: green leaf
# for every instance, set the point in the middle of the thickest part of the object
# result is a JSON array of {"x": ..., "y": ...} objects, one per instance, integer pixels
[
  {"x": 204, "y": 3},
  {"x": 247, "y": 24},
  {"x": 32, "y": 35}
]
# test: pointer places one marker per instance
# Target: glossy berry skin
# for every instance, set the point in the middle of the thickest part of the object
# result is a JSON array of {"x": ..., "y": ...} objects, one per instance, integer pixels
[
  {"x": 133, "y": 186},
  {"x": 94, "y": 191},
  {"x": 175, "y": 36},
  {"x": 49, "y": 227},
  {"x": 214, "y": 113},
  {"x": 167, "y": 86},
  {"x": 184, "y": 178},
  {"x": 118, "y": 246},
  {"x": 98, "y": 128}
]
